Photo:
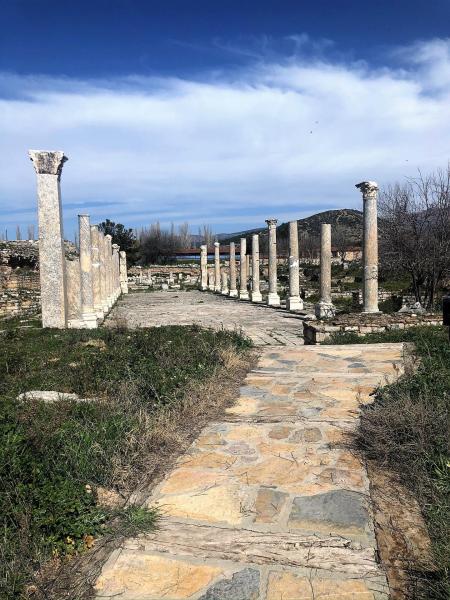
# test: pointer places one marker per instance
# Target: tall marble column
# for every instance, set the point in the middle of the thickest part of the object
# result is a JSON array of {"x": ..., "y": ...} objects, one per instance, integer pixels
[
  {"x": 216, "y": 267},
  {"x": 273, "y": 299},
  {"x": 96, "y": 275},
  {"x": 324, "y": 308},
  {"x": 52, "y": 263},
  {"x": 73, "y": 278},
  {"x": 369, "y": 190},
  {"x": 255, "y": 293},
  {"x": 233, "y": 287},
  {"x": 211, "y": 278},
  {"x": 103, "y": 271},
  {"x": 116, "y": 271},
  {"x": 88, "y": 313},
  {"x": 109, "y": 270},
  {"x": 243, "y": 291},
  {"x": 203, "y": 267},
  {"x": 123, "y": 272},
  {"x": 224, "y": 280},
  {"x": 294, "y": 302}
]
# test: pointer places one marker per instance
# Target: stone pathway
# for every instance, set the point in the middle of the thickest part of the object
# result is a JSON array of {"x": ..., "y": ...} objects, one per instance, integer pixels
[
  {"x": 264, "y": 325},
  {"x": 267, "y": 504}
]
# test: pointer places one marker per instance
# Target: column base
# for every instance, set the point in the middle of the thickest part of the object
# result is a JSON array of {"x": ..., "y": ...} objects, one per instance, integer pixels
[
  {"x": 89, "y": 320},
  {"x": 75, "y": 324},
  {"x": 203, "y": 288},
  {"x": 244, "y": 295},
  {"x": 294, "y": 303},
  {"x": 224, "y": 292},
  {"x": 211, "y": 288},
  {"x": 273, "y": 300},
  {"x": 217, "y": 289},
  {"x": 233, "y": 293},
  {"x": 256, "y": 296},
  {"x": 371, "y": 312},
  {"x": 324, "y": 310}
]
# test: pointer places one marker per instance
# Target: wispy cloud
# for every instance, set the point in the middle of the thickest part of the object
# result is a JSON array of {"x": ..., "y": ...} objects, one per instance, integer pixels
[{"x": 290, "y": 133}]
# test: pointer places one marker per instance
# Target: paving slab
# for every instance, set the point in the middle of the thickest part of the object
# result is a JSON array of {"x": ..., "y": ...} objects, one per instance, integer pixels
[
  {"x": 263, "y": 324},
  {"x": 268, "y": 503}
]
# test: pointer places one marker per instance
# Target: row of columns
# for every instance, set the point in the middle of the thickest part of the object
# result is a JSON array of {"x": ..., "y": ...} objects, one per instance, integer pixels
[
  {"x": 217, "y": 281},
  {"x": 75, "y": 292}
]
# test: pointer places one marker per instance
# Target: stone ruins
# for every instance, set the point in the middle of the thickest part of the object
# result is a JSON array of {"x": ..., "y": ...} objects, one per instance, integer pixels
[{"x": 75, "y": 292}]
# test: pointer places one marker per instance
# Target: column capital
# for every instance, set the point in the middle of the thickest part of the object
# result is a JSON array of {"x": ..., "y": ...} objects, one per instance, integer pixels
[
  {"x": 367, "y": 188},
  {"x": 271, "y": 223},
  {"x": 47, "y": 163},
  {"x": 115, "y": 247},
  {"x": 216, "y": 244},
  {"x": 108, "y": 237},
  {"x": 204, "y": 247}
]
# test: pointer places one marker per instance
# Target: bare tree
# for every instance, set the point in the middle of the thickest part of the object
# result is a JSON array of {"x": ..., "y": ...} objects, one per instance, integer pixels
[
  {"x": 414, "y": 231},
  {"x": 184, "y": 235},
  {"x": 308, "y": 245},
  {"x": 18, "y": 233},
  {"x": 30, "y": 232},
  {"x": 207, "y": 234}
]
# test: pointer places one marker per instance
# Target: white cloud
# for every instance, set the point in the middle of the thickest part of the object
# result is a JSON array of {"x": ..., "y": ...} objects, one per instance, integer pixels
[{"x": 287, "y": 137}]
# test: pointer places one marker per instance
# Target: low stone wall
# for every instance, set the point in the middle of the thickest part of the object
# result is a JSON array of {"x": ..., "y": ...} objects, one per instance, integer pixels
[
  {"x": 20, "y": 293},
  {"x": 315, "y": 332}
]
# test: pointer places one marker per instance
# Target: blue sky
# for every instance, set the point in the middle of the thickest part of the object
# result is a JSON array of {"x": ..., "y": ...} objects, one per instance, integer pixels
[{"x": 219, "y": 112}]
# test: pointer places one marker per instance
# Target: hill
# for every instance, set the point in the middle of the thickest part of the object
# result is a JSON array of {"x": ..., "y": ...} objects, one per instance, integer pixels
[{"x": 346, "y": 223}]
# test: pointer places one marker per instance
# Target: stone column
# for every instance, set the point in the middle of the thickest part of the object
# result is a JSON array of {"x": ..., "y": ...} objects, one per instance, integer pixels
[
  {"x": 273, "y": 299},
  {"x": 325, "y": 309},
  {"x": 88, "y": 313},
  {"x": 217, "y": 266},
  {"x": 255, "y": 293},
  {"x": 123, "y": 272},
  {"x": 203, "y": 267},
  {"x": 52, "y": 264},
  {"x": 233, "y": 288},
  {"x": 96, "y": 275},
  {"x": 224, "y": 279},
  {"x": 109, "y": 284},
  {"x": 103, "y": 271},
  {"x": 369, "y": 191},
  {"x": 73, "y": 278},
  {"x": 116, "y": 271},
  {"x": 243, "y": 292},
  {"x": 294, "y": 302},
  {"x": 211, "y": 278}
]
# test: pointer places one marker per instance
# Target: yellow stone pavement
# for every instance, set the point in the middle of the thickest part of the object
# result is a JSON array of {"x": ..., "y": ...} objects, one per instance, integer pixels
[{"x": 268, "y": 504}]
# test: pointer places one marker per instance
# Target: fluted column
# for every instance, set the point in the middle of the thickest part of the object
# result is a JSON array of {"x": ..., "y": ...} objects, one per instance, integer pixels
[
  {"x": 203, "y": 267},
  {"x": 294, "y": 302},
  {"x": 255, "y": 293},
  {"x": 243, "y": 291},
  {"x": 88, "y": 313},
  {"x": 96, "y": 276},
  {"x": 103, "y": 271},
  {"x": 369, "y": 190},
  {"x": 52, "y": 263},
  {"x": 224, "y": 281},
  {"x": 116, "y": 271},
  {"x": 211, "y": 278},
  {"x": 123, "y": 272},
  {"x": 233, "y": 288},
  {"x": 273, "y": 299},
  {"x": 216, "y": 267},
  {"x": 324, "y": 308},
  {"x": 73, "y": 278},
  {"x": 109, "y": 283}
]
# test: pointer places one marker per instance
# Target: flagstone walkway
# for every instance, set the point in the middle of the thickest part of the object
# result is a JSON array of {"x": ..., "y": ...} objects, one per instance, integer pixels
[
  {"x": 267, "y": 504},
  {"x": 263, "y": 324}
]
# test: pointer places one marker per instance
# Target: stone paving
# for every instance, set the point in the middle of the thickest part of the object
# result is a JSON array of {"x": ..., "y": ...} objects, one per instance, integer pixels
[
  {"x": 267, "y": 504},
  {"x": 263, "y": 324}
]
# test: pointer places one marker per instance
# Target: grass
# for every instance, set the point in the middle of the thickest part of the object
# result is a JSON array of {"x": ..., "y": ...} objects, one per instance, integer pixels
[
  {"x": 406, "y": 431},
  {"x": 55, "y": 458}
]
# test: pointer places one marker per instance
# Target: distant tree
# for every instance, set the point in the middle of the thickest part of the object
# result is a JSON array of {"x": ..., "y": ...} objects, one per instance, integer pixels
[
  {"x": 414, "y": 232},
  {"x": 207, "y": 235},
  {"x": 121, "y": 235},
  {"x": 159, "y": 246},
  {"x": 308, "y": 244},
  {"x": 30, "y": 232},
  {"x": 18, "y": 233},
  {"x": 184, "y": 235}
]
